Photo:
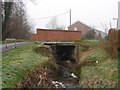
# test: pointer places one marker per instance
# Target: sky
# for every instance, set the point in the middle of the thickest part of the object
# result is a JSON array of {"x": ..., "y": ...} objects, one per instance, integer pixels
[{"x": 94, "y": 13}]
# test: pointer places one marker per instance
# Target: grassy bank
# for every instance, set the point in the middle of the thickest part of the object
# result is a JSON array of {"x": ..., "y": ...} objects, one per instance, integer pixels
[
  {"x": 12, "y": 41},
  {"x": 100, "y": 74},
  {"x": 103, "y": 75},
  {"x": 18, "y": 62}
]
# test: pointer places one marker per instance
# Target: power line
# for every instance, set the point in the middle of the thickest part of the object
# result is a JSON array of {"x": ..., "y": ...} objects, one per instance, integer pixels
[{"x": 50, "y": 16}]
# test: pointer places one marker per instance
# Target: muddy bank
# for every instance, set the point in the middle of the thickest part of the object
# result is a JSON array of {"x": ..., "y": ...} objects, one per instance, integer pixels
[{"x": 51, "y": 75}]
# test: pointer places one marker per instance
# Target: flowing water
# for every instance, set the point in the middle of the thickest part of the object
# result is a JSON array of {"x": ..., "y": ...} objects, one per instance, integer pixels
[{"x": 66, "y": 79}]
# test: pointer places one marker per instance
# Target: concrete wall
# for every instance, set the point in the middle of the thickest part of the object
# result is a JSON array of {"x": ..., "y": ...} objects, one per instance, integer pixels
[
  {"x": 119, "y": 15},
  {"x": 46, "y": 34}
]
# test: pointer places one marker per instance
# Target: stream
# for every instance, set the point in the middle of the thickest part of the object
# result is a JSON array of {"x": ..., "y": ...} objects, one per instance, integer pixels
[{"x": 67, "y": 79}]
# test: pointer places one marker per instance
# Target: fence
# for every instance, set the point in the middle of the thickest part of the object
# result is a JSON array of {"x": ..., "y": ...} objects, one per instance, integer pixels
[{"x": 47, "y": 34}]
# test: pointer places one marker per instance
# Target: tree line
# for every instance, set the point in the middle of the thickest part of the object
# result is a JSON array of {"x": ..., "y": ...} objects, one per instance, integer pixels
[{"x": 14, "y": 21}]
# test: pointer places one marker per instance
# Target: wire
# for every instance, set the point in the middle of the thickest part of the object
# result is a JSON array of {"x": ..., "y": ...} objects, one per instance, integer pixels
[{"x": 50, "y": 16}]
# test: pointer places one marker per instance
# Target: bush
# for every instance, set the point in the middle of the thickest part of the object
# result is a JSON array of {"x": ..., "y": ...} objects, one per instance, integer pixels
[
  {"x": 109, "y": 48},
  {"x": 44, "y": 50},
  {"x": 119, "y": 40},
  {"x": 113, "y": 37},
  {"x": 113, "y": 44},
  {"x": 90, "y": 35}
]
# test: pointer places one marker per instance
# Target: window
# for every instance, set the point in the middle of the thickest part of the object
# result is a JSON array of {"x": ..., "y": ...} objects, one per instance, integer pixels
[{"x": 75, "y": 28}]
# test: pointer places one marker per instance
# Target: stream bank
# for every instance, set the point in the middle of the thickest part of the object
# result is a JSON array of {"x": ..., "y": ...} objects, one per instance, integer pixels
[
  {"x": 51, "y": 75},
  {"x": 61, "y": 71}
]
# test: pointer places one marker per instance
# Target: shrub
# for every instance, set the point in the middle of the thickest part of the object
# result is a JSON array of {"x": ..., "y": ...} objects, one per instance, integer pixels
[
  {"x": 44, "y": 50},
  {"x": 113, "y": 37},
  {"x": 109, "y": 48},
  {"x": 113, "y": 44},
  {"x": 119, "y": 40},
  {"x": 90, "y": 35}
]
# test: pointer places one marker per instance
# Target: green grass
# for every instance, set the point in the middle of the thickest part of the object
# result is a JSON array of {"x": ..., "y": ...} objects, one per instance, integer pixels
[
  {"x": 86, "y": 41},
  {"x": 12, "y": 41},
  {"x": 91, "y": 43},
  {"x": 107, "y": 72},
  {"x": 103, "y": 74},
  {"x": 98, "y": 55},
  {"x": 18, "y": 62}
]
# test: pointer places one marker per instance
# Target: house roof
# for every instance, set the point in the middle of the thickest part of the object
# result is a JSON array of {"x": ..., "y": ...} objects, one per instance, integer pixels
[{"x": 80, "y": 23}]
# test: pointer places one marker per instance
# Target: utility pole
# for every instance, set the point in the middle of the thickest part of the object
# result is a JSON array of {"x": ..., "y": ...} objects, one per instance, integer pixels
[{"x": 70, "y": 19}]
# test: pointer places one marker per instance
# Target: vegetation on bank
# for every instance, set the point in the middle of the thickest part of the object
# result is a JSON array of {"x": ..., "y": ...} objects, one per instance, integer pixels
[
  {"x": 99, "y": 69},
  {"x": 12, "y": 41},
  {"x": 103, "y": 75},
  {"x": 17, "y": 62}
]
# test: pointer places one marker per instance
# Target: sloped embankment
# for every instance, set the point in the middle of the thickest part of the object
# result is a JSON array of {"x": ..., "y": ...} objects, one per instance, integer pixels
[
  {"x": 50, "y": 74},
  {"x": 40, "y": 77}
]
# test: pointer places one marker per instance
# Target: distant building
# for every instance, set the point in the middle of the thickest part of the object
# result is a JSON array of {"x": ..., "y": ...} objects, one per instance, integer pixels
[
  {"x": 103, "y": 34},
  {"x": 79, "y": 26},
  {"x": 119, "y": 15}
]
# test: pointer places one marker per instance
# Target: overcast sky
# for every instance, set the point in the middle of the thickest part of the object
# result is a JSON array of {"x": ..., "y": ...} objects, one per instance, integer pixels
[{"x": 90, "y": 12}]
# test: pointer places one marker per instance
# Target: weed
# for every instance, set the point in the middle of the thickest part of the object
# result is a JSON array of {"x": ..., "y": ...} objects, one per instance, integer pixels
[
  {"x": 110, "y": 49},
  {"x": 18, "y": 62},
  {"x": 103, "y": 75}
]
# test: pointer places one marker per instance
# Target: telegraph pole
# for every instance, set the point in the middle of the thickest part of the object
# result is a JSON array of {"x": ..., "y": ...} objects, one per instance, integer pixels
[{"x": 70, "y": 19}]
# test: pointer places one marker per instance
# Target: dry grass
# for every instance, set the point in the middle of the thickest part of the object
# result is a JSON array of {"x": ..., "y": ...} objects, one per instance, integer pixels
[
  {"x": 112, "y": 45},
  {"x": 40, "y": 77},
  {"x": 103, "y": 74},
  {"x": 110, "y": 49}
]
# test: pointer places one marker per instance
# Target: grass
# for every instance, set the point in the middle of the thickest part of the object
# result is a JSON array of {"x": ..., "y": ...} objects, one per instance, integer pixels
[
  {"x": 18, "y": 62},
  {"x": 103, "y": 74},
  {"x": 91, "y": 43},
  {"x": 12, "y": 41},
  {"x": 86, "y": 41},
  {"x": 98, "y": 54},
  {"x": 0, "y": 71}
]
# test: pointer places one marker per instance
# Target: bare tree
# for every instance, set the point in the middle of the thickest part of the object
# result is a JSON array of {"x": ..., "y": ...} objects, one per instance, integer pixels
[
  {"x": 17, "y": 25},
  {"x": 6, "y": 13},
  {"x": 62, "y": 27},
  {"x": 33, "y": 1},
  {"x": 52, "y": 24},
  {"x": 106, "y": 27}
]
